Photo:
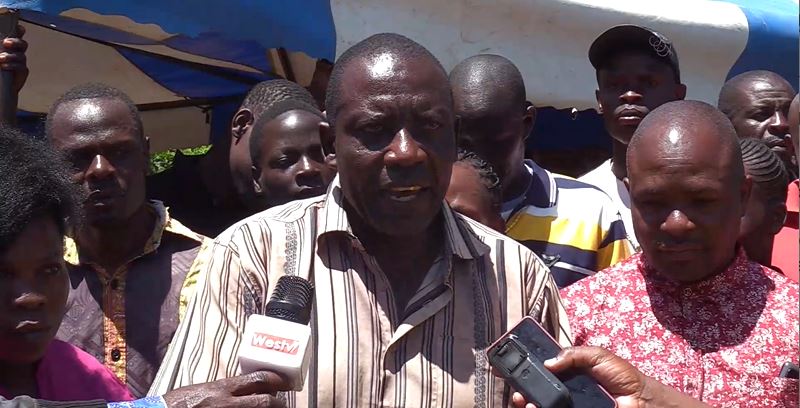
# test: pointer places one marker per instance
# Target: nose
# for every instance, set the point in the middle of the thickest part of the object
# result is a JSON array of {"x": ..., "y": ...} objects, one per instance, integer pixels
[
  {"x": 309, "y": 172},
  {"x": 779, "y": 125},
  {"x": 100, "y": 168},
  {"x": 677, "y": 224},
  {"x": 630, "y": 97},
  {"x": 404, "y": 151},
  {"x": 28, "y": 297}
]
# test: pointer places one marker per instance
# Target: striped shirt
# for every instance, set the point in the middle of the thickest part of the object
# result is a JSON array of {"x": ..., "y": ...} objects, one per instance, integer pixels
[
  {"x": 573, "y": 226},
  {"x": 365, "y": 351}
]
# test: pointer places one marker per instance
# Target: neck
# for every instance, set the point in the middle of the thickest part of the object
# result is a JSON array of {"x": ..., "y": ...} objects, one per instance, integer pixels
[
  {"x": 619, "y": 159},
  {"x": 111, "y": 246},
  {"x": 517, "y": 183},
  {"x": 18, "y": 379},
  {"x": 405, "y": 260}
]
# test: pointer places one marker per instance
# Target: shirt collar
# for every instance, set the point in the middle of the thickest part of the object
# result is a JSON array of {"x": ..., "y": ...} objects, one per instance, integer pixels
[
  {"x": 461, "y": 241},
  {"x": 163, "y": 223},
  {"x": 731, "y": 278}
]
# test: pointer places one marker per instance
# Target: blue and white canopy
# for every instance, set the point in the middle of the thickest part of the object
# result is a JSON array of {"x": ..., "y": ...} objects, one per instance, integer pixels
[{"x": 165, "y": 51}]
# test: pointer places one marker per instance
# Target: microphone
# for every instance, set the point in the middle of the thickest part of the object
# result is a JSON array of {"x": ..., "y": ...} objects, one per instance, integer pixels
[{"x": 278, "y": 340}]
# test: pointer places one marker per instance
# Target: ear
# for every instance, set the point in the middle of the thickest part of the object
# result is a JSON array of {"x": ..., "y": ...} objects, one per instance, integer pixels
[
  {"x": 777, "y": 216},
  {"x": 256, "y": 174},
  {"x": 627, "y": 183},
  {"x": 146, "y": 149},
  {"x": 680, "y": 92},
  {"x": 529, "y": 118},
  {"x": 242, "y": 120},
  {"x": 599, "y": 104},
  {"x": 744, "y": 193},
  {"x": 328, "y": 143}
]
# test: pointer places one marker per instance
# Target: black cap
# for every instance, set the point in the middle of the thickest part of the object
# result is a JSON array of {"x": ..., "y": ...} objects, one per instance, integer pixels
[
  {"x": 291, "y": 300},
  {"x": 628, "y": 37}
]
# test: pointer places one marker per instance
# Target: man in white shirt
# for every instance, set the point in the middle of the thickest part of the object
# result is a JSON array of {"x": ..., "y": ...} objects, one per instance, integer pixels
[{"x": 637, "y": 71}]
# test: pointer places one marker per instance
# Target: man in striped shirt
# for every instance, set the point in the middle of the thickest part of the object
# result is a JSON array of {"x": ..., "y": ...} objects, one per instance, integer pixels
[
  {"x": 573, "y": 226},
  {"x": 408, "y": 294}
]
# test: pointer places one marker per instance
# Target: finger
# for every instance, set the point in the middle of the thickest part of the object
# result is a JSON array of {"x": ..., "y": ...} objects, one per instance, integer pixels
[
  {"x": 12, "y": 58},
  {"x": 250, "y": 401},
  {"x": 519, "y": 401},
  {"x": 578, "y": 358},
  {"x": 259, "y": 382},
  {"x": 21, "y": 31},
  {"x": 15, "y": 44}
]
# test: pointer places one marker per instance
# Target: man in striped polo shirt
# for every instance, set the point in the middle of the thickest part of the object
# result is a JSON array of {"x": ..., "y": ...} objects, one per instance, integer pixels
[
  {"x": 573, "y": 226},
  {"x": 409, "y": 294}
]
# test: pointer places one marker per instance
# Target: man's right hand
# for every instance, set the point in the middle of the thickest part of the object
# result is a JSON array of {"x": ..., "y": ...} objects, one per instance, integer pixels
[
  {"x": 629, "y": 387},
  {"x": 252, "y": 390}
]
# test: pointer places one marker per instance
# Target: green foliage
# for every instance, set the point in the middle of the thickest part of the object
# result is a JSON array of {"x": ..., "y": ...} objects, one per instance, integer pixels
[{"x": 163, "y": 160}]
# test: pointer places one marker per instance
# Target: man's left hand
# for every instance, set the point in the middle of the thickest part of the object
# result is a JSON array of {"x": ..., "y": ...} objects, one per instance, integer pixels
[{"x": 12, "y": 58}]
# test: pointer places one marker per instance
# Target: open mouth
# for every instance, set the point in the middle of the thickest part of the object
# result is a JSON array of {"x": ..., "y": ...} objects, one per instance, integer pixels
[{"x": 404, "y": 194}]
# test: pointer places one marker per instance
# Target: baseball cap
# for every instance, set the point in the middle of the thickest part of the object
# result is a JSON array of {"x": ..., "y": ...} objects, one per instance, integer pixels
[{"x": 629, "y": 37}]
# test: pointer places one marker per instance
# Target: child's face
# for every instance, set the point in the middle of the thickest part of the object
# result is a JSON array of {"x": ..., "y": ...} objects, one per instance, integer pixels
[{"x": 33, "y": 291}]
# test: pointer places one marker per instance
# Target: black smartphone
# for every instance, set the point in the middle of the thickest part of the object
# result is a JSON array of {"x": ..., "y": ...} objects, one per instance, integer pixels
[
  {"x": 518, "y": 357},
  {"x": 790, "y": 370}
]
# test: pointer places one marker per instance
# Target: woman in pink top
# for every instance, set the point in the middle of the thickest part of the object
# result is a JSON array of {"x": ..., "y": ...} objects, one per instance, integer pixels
[{"x": 36, "y": 200}]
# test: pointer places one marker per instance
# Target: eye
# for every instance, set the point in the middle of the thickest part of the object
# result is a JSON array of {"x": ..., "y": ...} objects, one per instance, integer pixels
[
  {"x": 432, "y": 124},
  {"x": 283, "y": 162},
  {"x": 761, "y": 115},
  {"x": 52, "y": 270},
  {"x": 372, "y": 128}
]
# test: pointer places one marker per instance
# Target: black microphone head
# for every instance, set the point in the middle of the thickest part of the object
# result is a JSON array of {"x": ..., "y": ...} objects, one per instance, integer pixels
[{"x": 291, "y": 300}]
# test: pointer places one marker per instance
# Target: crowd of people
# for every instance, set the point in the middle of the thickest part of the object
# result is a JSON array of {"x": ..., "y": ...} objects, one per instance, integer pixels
[{"x": 668, "y": 273}]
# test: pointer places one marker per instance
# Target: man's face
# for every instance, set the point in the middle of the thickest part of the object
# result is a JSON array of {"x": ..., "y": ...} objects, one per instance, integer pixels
[
  {"x": 632, "y": 85},
  {"x": 762, "y": 113},
  {"x": 686, "y": 205},
  {"x": 108, "y": 157},
  {"x": 493, "y": 128},
  {"x": 33, "y": 292},
  {"x": 469, "y": 196},
  {"x": 395, "y": 142},
  {"x": 291, "y": 164}
]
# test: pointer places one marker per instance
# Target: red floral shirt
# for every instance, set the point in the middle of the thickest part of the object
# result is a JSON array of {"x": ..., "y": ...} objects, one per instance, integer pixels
[{"x": 722, "y": 340}]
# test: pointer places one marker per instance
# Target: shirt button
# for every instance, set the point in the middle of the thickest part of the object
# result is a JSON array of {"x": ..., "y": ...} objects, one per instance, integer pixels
[
  {"x": 114, "y": 284},
  {"x": 115, "y": 355}
]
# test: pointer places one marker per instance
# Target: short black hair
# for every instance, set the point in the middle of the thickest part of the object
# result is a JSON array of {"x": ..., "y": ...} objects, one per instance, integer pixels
[
  {"x": 374, "y": 45},
  {"x": 727, "y": 101},
  {"x": 271, "y": 113},
  {"x": 33, "y": 182},
  {"x": 267, "y": 93},
  {"x": 765, "y": 168},
  {"x": 485, "y": 171},
  {"x": 496, "y": 72},
  {"x": 95, "y": 90}
]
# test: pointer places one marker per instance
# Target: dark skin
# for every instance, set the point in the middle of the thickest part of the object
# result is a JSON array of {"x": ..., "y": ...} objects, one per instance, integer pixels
[
  {"x": 495, "y": 127},
  {"x": 687, "y": 199},
  {"x": 291, "y": 163},
  {"x": 240, "y": 160},
  {"x": 794, "y": 125},
  {"x": 764, "y": 218},
  {"x": 394, "y": 140},
  {"x": 33, "y": 292},
  {"x": 761, "y": 109},
  {"x": 629, "y": 87},
  {"x": 627, "y": 385},
  {"x": 469, "y": 196},
  {"x": 109, "y": 161}
]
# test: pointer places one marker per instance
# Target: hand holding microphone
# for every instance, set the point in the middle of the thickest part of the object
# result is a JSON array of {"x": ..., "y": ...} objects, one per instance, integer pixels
[{"x": 278, "y": 341}]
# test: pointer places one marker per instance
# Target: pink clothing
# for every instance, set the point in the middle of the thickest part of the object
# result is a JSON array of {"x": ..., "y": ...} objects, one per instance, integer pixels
[
  {"x": 722, "y": 340},
  {"x": 67, "y": 373}
]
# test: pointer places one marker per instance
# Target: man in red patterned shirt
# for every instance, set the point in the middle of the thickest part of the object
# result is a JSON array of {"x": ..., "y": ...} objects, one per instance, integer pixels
[{"x": 691, "y": 310}]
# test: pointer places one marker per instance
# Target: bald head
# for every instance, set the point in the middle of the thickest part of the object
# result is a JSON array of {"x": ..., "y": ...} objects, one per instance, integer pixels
[
  {"x": 381, "y": 53},
  {"x": 688, "y": 128},
  {"x": 488, "y": 82},
  {"x": 734, "y": 93},
  {"x": 688, "y": 190}
]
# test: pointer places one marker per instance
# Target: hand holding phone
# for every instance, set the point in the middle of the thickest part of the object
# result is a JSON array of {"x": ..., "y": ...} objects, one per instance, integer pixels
[{"x": 518, "y": 356}]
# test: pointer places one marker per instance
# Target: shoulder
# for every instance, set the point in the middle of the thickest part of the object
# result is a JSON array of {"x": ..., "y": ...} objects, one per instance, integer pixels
[
  {"x": 582, "y": 194},
  {"x": 621, "y": 278},
  {"x": 598, "y": 174},
  {"x": 89, "y": 378},
  {"x": 270, "y": 222},
  {"x": 786, "y": 292}
]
